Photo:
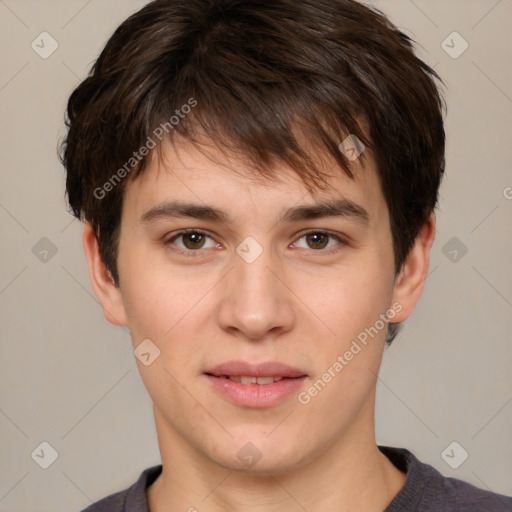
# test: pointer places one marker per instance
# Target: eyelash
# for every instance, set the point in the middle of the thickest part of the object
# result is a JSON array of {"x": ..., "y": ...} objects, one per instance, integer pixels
[{"x": 198, "y": 253}]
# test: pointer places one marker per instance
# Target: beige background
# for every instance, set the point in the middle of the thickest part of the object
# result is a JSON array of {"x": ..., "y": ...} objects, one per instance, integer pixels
[{"x": 70, "y": 379}]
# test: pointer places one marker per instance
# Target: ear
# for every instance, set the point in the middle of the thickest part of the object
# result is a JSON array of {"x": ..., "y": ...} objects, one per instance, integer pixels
[
  {"x": 106, "y": 290},
  {"x": 411, "y": 279}
]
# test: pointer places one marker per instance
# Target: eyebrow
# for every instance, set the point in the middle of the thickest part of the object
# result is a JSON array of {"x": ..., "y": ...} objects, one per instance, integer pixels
[{"x": 330, "y": 208}]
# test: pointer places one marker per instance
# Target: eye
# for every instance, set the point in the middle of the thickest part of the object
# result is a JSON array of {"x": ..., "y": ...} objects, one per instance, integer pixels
[
  {"x": 319, "y": 240},
  {"x": 191, "y": 240}
]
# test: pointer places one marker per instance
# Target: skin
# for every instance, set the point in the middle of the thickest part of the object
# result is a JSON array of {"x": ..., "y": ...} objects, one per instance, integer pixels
[{"x": 298, "y": 303}]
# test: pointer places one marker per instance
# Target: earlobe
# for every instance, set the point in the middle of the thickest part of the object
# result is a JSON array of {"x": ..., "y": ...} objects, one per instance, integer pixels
[
  {"x": 103, "y": 283},
  {"x": 411, "y": 279}
]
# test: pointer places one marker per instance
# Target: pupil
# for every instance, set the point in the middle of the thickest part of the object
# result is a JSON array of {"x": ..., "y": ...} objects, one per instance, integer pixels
[
  {"x": 319, "y": 240},
  {"x": 193, "y": 240}
]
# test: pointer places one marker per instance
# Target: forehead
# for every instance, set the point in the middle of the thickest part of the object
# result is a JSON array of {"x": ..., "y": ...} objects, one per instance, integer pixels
[{"x": 207, "y": 175}]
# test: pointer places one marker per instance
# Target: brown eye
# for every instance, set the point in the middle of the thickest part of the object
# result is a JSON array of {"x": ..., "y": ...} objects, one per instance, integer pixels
[
  {"x": 193, "y": 240},
  {"x": 320, "y": 241},
  {"x": 317, "y": 240}
]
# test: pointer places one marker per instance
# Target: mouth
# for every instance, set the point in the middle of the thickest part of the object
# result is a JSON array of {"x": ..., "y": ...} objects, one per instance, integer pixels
[
  {"x": 255, "y": 385},
  {"x": 259, "y": 373},
  {"x": 248, "y": 379}
]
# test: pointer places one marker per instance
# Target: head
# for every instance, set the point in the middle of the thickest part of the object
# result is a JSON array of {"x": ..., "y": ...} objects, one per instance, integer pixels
[{"x": 250, "y": 107}]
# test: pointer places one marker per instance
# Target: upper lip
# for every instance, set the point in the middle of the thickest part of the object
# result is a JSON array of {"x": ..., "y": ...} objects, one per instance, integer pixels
[{"x": 267, "y": 369}]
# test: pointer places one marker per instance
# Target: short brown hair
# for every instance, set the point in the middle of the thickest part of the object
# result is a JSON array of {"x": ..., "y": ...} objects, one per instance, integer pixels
[{"x": 258, "y": 72}]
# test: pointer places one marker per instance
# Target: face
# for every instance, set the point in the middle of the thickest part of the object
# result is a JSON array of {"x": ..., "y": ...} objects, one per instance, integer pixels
[{"x": 233, "y": 276}]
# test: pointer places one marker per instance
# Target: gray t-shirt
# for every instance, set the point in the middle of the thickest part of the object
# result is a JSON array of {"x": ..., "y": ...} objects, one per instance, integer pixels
[{"x": 425, "y": 490}]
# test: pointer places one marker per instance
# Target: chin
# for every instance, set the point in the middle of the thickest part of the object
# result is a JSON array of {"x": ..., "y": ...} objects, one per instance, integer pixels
[{"x": 260, "y": 453}]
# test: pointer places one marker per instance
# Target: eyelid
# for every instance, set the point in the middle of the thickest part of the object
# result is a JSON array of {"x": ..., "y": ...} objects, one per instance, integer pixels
[
  {"x": 310, "y": 231},
  {"x": 169, "y": 240},
  {"x": 340, "y": 238},
  {"x": 185, "y": 231}
]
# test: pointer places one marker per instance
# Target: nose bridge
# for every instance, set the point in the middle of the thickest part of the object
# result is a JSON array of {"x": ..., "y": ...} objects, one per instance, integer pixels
[
  {"x": 255, "y": 301},
  {"x": 254, "y": 280}
]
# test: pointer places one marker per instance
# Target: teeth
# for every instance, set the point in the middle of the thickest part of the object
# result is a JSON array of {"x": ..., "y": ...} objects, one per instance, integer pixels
[
  {"x": 265, "y": 380},
  {"x": 254, "y": 380}
]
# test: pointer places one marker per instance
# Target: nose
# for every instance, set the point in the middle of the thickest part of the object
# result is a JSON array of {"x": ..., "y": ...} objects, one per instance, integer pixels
[{"x": 257, "y": 301}]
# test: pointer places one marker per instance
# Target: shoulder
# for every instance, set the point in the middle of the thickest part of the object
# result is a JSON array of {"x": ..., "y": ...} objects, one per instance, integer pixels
[
  {"x": 113, "y": 503},
  {"x": 427, "y": 490},
  {"x": 132, "y": 499},
  {"x": 463, "y": 496}
]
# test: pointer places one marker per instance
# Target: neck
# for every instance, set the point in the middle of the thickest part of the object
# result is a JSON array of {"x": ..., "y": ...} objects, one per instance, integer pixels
[{"x": 348, "y": 474}]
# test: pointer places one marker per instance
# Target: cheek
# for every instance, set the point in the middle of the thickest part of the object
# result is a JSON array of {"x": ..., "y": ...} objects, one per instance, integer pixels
[
  {"x": 155, "y": 306},
  {"x": 351, "y": 305},
  {"x": 352, "y": 299},
  {"x": 167, "y": 307},
  {"x": 151, "y": 296},
  {"x": 346, "y": 367}
]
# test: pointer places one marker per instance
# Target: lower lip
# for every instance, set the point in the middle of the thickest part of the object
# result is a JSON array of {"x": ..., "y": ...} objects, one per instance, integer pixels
[{"x": 256, "y": 395}]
